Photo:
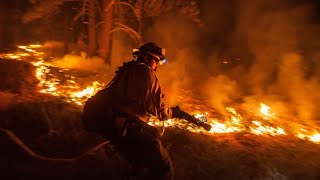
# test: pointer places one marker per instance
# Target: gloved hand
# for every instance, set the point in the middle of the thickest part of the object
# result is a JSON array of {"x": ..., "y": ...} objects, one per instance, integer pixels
[{"x": 176, "y": 112}]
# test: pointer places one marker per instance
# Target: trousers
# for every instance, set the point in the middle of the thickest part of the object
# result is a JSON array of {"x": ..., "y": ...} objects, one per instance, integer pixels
[{"x": 143, "y": 150}]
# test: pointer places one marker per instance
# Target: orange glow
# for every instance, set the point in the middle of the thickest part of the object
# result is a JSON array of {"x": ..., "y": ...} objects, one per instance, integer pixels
[
  {"x": 315, "y": 138},
  {"x": 265, "y": 111},
  {"x": 306, "y": 135},
  {"x": 260, "y": 129},
  {"x": 35, "y": 46},
  {"x": 86, "y": 93},
  {"x": 12, "y": 56},
  {"x": 71, "y": 90}
]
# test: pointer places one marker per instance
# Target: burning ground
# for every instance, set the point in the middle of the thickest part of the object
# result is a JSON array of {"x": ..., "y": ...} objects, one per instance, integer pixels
[{"x": 41, "y": 103}]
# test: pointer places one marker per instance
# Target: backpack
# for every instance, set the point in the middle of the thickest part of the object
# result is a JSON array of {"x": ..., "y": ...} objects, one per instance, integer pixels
[
  {"x": 97, "y": 115},
  {"x": 99, "y": 110}
]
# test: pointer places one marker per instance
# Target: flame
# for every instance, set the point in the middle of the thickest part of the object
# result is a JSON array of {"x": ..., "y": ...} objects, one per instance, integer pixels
[
  {"x": 265, "y": 111},
  {"x": 49, "y": 84},
  {"x": 35, "y": 46},
  {"x": 12, "y": 56},
  {"x": 199, "y": 115},
  {"x": 218, "y": 127},
  {"x": 89, "y": 91},
  {"x": 235, "y": 116},
  {"x": 72, "y": 91},
  {"x": 27, "y": 48},
  {"x": 260, "y": 129},
  {"x": 314, "y": 137},
  {"x": 19, "y": 55}
]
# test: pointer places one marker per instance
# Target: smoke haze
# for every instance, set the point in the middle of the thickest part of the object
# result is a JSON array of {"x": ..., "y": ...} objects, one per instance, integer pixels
[{"x": 244, "y": 51}]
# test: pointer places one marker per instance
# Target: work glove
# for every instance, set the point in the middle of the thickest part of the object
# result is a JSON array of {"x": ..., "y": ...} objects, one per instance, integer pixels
[{"x": 176, "y": 112}]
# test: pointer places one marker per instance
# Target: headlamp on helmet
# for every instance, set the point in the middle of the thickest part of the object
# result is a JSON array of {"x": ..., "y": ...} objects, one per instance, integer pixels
[{"x": 151, "y": 49}]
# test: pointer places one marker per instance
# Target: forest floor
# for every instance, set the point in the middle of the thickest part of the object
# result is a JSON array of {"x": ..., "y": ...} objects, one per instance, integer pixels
[{"x": 52, "y": 127}]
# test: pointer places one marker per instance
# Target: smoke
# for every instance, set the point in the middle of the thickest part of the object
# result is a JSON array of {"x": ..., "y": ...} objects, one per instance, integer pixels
[
  {"x": 301, "y": 92},
  {"x": 255, "y": 51},
  {"x": 221, "y": 91},
  {"x": 275, "y": 34},
  {"x": 81, "y": 62},
  {"x": 42, "y": 9},
  {"x": 122, "y": 50}
]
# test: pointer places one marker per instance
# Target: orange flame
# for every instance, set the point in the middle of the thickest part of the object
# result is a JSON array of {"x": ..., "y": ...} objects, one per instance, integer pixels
[
  {"x": 234, "y": 123},
  {"x": 87, "y": 92},
  {"x": 304, "y": 134},
  {"x": 260, "y": 129}
]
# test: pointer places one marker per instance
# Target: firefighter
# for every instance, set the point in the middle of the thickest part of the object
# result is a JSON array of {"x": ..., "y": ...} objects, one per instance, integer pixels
[{"x": 136, "y": 94}]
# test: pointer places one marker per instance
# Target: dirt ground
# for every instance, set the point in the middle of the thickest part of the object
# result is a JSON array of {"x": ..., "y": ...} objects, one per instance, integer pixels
[{"x": 52, "y": 128}]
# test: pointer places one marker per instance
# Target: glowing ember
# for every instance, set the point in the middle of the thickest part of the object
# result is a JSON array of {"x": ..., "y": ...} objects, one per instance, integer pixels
[
  {"x": 70, "y": 91},
  {"x": 12, "y": 56},
  {"x": 35, "y": 46},
  {"x": 50, "y": 84},
  {"x": 31, "y": 47}
]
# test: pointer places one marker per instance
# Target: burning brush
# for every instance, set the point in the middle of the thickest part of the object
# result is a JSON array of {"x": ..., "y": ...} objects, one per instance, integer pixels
[
  {"x": 64, "y": 83},
  {"x": 198, "y": 120}
]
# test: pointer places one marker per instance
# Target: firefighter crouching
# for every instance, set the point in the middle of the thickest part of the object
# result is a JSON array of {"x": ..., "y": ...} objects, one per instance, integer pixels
[{"x": 133, "y": 95}]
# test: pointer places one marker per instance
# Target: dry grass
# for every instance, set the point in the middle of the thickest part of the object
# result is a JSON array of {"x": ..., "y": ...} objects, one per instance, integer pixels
[
  {"x": 53, "y": 128},
  {"x": 242, "y": 156}
]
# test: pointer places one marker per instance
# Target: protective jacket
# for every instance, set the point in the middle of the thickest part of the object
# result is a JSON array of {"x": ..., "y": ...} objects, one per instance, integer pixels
[{"x": 136, "y": 90}]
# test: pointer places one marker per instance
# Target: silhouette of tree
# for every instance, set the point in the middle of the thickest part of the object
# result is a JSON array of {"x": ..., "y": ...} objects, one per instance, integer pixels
[
  {"x": 11, "y": 27},
  {"x": 104, "y": 17}
]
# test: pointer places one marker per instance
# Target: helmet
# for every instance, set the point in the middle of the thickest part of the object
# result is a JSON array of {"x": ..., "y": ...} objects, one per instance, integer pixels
[{"x": 151, "y": 49}]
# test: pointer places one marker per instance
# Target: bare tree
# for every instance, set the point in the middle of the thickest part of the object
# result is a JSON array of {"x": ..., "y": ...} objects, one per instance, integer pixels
[
  {"x": 105, "y": 17},
  {"x": 143, "y": 12},
  {"x": 46, "y": 9},
  {"x": 49, "y": 8},
  {"x": 92, "y": 41},
  {"x": 100, "y": 20},
  {"x": 105, "y": 35}
]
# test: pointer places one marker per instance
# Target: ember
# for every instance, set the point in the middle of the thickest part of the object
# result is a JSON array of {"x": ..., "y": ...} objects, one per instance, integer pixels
[{"x": 70, "y": 89}]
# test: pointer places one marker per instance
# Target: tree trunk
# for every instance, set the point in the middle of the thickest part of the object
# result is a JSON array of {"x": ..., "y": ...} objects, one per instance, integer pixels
[
  {"x": 92, "y": 30},
  {"x": 105, "y": 36}
]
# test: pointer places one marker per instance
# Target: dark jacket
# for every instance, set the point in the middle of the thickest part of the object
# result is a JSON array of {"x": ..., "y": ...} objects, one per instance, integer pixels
[{"x": 136, "y": 90}]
